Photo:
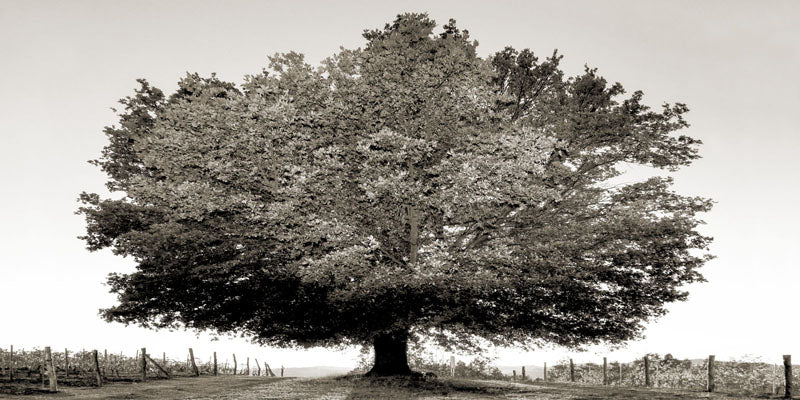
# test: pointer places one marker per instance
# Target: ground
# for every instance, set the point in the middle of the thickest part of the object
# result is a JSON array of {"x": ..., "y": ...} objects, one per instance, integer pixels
[{"x": 251, "y": 388}]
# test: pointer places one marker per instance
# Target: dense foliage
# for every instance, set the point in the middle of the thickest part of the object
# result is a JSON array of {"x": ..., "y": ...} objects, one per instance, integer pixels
[{"x": 408, "y": 187}]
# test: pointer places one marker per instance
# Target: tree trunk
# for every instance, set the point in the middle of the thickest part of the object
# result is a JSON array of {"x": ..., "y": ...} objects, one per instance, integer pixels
[{"x": 390, "y": 354}]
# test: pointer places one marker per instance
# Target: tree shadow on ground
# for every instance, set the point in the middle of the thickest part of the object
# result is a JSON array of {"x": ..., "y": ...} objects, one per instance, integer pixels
[{"x": 411, "y": 388}]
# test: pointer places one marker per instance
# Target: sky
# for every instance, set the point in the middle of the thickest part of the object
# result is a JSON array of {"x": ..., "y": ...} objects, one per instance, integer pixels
[{"x": 736, "y": 64}]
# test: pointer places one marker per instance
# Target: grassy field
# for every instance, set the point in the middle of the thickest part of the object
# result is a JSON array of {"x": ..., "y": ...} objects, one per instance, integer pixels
[{"x": 251, "y": 388}]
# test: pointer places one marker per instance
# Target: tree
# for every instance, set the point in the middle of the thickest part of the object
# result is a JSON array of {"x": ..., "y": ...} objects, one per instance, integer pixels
[{"x": 408, "y": 189}]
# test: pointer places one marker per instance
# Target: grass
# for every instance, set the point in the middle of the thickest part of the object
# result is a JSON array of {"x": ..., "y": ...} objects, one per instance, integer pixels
[
  {"x": 358, "y": 388},
  {"x": 177, "y": 388}
]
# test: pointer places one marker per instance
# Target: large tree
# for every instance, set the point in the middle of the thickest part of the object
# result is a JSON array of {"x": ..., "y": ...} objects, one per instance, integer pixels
[{"x": 407, "y": 189}]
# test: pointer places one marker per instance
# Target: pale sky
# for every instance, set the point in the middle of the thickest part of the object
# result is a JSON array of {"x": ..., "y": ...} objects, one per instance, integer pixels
[{"x": 735, "y": 63}]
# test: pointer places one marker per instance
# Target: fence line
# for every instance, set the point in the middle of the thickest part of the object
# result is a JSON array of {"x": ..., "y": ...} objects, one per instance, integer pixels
[
  {"x": 665, "y": 371},
  {"x": 85, "y": 368}
]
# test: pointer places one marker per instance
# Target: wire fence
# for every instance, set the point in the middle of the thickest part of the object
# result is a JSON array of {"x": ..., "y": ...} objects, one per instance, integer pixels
[
  {"x": 23, "y": 367},
  {"x": 751, "y": 376}
]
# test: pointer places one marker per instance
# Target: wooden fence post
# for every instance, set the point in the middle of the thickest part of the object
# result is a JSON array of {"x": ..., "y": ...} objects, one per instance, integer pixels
[
  {"x": 164, "y": 358},
  {"x": 544, "y": 372},
  {"x": 620, "y": 373},
  {"x": 160, "y": 368},
  {"x": 281, "y": 371},
  {"x": 66, "y": 363},
  {"x": 247, "y": 368},
  {"x": 234, "y": 363},
  {"x": 571, "y": 371},
  {"x": 105, "y": 361},
  {"x": 646, "y": 371},
  {"x": 605, "y": 371},
  {"x": 143, "y": 364},
  {"x": 514, "y": 377},
  {"x": 523, "y": 372},
  {"x": 11, "y": 364},
  {"x": 711, "y": 384},
  {"x": 97, "y": 375},
  {"x": 215, "y": 363},
  {"x": 787, "y": 373},
  {"x": 51, "y": 370},
  {"x": 269, "y": 370},
  {"x": 259, "y": 368},
  {"x": 194, "y": 366}
]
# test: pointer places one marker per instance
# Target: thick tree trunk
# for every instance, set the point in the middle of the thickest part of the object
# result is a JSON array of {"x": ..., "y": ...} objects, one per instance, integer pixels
[
  {"x": 390, "y": 355},
  {"x": 413, "y": 239}
]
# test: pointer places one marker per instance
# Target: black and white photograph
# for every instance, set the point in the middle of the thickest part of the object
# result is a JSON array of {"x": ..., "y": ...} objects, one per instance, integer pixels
[{"x": 357, "y": 200}]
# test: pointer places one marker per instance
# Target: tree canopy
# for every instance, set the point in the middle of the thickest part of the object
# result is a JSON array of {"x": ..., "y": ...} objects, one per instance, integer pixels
[{"x": 407, "y": 186}]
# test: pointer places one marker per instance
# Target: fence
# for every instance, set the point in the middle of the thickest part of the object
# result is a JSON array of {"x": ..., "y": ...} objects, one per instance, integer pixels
[
  {"x": 92, "y": 368},
  {"x": 654, "y": 370}
]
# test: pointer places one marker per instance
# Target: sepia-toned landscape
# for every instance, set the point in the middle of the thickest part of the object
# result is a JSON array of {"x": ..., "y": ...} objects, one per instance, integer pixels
[{"x": 357, "y": 200}]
